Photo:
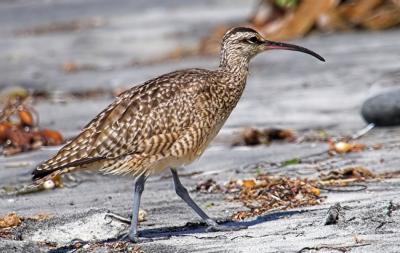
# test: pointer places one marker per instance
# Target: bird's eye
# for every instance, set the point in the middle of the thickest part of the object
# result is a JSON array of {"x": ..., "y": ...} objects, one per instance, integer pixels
[{"x": 253, "y": 40}]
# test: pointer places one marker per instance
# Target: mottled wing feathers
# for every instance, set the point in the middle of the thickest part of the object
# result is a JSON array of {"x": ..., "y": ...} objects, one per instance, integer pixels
[
  {"x": 77, "y": 152},
  {"x": 137, "y": 129}
]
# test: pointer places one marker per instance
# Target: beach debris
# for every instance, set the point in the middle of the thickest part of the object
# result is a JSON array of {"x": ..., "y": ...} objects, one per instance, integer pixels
[
  {"x": 208, "y": 186},
  {"x": 252, "y": 136},
  {"x": 10, "y": 220},
  {"x": 292, "y": 161},
  {"x": 107, "y": 246},
  {"x": 341, "y": 147},
  {"x": 358, "y": 173},
  {"x": 290, "y": 19},
  {"x": 19, "y": 126},
  {"x": 335, "y": 214},
  {"x": 265, "y": 193},
  {"x": 142, "y": 216}
]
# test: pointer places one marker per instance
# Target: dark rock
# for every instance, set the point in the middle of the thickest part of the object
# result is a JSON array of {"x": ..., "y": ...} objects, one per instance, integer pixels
[
  {"x": 334, "y": 215},
  {"x": 382, "y": 109}
]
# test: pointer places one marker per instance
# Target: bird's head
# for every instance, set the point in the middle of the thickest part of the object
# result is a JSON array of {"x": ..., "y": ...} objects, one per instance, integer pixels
[{"x": 246, "y": 42}]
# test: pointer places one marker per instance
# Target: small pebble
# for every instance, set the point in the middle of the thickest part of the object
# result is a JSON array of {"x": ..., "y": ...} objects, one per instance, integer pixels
[{"x": 49, "y": 184}]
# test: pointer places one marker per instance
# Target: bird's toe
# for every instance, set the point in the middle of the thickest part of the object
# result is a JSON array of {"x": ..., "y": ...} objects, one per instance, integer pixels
[
  {"x": 113, "y": 216},
  {"x": 137, "y": 239}
]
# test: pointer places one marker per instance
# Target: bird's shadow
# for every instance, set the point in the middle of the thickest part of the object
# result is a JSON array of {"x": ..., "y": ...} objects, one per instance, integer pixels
[{"x": 191, "y": 228}]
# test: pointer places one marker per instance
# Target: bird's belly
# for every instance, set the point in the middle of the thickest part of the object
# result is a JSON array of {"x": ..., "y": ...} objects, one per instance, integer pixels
[
  {"x": 189, "y": 157},
  {"x": 198, "y": 151}
]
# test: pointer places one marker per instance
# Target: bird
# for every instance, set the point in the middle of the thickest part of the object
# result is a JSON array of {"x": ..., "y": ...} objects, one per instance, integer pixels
[{"x": 165, "y": 123}]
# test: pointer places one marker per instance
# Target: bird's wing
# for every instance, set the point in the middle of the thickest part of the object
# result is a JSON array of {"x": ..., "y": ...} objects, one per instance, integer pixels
[{"x": 144, "y": 119}]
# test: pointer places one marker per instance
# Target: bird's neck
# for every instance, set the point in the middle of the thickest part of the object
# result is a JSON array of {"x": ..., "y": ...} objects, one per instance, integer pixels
[{"x": 237, "y": 65}]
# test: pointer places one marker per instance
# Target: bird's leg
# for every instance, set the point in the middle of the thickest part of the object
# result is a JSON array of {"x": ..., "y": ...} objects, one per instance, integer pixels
[
  {"x": 184, "y": 195},
  {"x": 139, "y": 187}
]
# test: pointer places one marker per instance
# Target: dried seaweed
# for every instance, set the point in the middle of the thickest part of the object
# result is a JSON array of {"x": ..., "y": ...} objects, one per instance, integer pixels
[
  {"x": 19, "y": 127},
  {"x": 285, "y": 20},
  {"x": 357, "y": 173},
  {"x": 14, "y": 220},
  {"x": 10, "y": 220},
  {"x": 253, "y": 136},
  {"x": 208, "y": 186},
  {"x": 266, "y": 193}
]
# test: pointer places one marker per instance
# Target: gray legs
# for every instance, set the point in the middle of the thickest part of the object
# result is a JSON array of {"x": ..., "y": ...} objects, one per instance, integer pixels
[
  {"x": 139, "y": 187},
  {"x": 183, "y": 193}
]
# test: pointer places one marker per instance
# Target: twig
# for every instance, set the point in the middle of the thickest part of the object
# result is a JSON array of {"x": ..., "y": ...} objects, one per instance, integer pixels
[
  {"x": 242, "y": 236},
  {"x": 380, "y": 225},
  {"x": 337, "y": 248},
  {"x": 117, "y": 217},
  {"x": 210, "y": 237},
  {"x": 339, "y": 188},
  {"x": 363, "y": 131}
]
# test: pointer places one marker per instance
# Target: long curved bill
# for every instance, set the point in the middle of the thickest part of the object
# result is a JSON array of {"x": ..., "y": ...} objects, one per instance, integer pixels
[{"x": 285, "y": 46}]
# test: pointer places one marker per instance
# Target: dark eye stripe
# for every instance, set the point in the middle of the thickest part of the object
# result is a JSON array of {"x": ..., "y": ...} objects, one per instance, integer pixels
[{"x": 254, "y": 40}]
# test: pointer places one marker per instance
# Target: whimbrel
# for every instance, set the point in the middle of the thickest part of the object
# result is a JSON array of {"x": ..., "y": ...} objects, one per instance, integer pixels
[{"x": 166, "y": 122}]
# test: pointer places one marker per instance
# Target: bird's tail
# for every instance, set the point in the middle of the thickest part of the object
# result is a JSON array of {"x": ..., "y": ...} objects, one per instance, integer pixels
[
  {"x": 44, "y": 172},
  {"x": 39, "y": 180},
  {"x": 39, "y": 183}
]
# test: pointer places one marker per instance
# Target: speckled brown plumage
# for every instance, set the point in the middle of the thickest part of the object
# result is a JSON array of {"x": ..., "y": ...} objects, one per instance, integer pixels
[{"x": 166, "y": 122}]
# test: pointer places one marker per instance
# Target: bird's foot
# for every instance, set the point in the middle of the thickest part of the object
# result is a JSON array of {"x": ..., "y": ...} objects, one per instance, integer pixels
[
  {"x": 127, "y": 236},
  {"x": 213, "y": 226},
  {"x": 133, "y": 237}
]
